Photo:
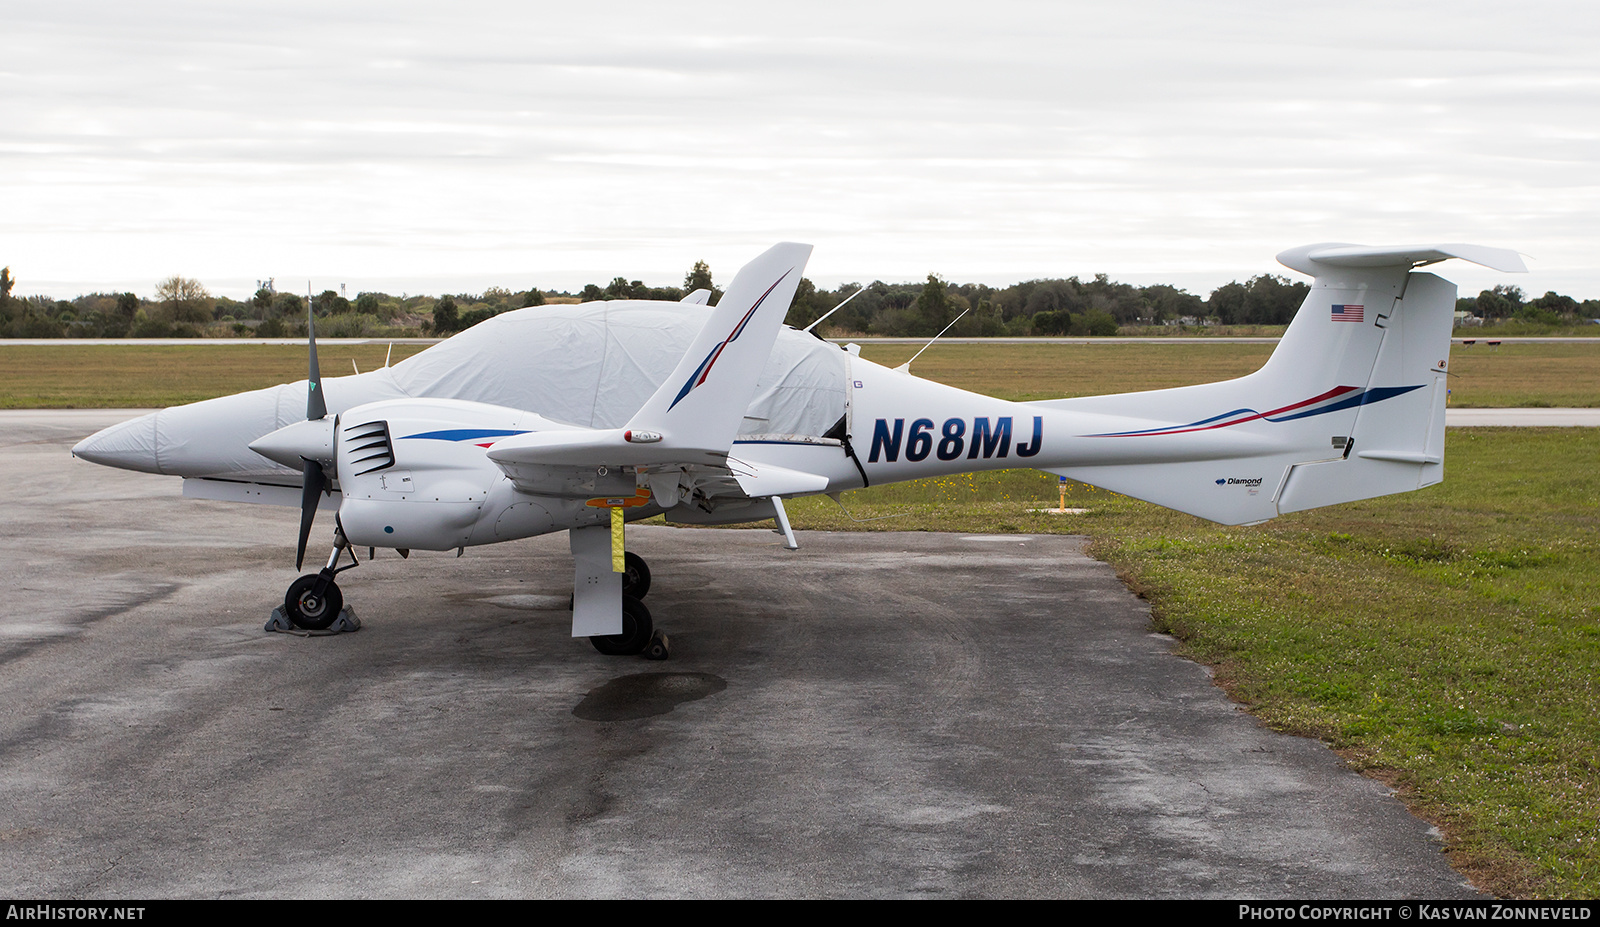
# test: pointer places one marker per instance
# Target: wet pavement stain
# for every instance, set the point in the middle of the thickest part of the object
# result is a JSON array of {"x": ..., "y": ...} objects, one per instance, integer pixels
[{"x": 644, "y": 695}]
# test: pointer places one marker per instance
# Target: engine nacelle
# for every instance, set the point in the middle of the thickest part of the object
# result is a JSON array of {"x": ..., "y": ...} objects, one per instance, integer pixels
[{"x": 413, "y": 471}]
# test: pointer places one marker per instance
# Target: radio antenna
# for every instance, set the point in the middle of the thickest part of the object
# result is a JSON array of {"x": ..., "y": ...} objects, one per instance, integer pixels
[
  {"x": 906, "y": 367},
  {"x": 833, "y": 310}
]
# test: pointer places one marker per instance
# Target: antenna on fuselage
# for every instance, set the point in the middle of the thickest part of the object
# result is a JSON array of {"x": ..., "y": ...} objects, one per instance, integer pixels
[
  {"x": 833, "y": 310},
  {"x": 906, "y": 367}
]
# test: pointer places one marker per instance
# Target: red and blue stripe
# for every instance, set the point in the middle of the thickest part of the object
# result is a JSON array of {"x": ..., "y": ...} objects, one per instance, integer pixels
[{"x": 1334, "y": 400}]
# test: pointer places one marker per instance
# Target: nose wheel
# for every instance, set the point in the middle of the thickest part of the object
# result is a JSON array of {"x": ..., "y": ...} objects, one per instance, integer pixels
[{"x": 314, "y": 601}]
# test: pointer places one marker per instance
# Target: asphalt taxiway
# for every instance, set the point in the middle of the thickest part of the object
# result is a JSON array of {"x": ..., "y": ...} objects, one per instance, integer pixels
[{"x": 875, "y": 715}]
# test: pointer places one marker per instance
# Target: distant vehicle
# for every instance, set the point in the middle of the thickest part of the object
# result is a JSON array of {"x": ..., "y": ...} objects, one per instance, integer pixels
[{"x": 579, "y": 418}]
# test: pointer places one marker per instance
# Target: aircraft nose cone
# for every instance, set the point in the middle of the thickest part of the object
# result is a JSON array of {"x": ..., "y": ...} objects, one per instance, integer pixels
[{"x": 129, "y": 445}]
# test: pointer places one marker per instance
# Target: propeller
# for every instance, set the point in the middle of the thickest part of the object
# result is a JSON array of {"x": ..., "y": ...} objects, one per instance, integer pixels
[
  {"x": 305, "y": 444},
  {"x": 313, "y": 481},
  {"x": 313, "y": 484}
]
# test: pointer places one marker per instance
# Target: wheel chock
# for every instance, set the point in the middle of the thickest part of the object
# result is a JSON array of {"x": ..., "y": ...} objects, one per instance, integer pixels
[
  {"x": 346, "y": 622},
  {"x": 659, "y": 647},
  {"x": 279, "y": 621}
]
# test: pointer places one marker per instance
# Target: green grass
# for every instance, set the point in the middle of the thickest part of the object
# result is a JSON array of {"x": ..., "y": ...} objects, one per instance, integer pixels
[
  {"x": 136, "y": 376},
  {"x": 1522, "y": 375},
  {"x": 1447, "y": 641},
  {"x": 140, "y": 376},
  {"x": 1509, "y": 376}
]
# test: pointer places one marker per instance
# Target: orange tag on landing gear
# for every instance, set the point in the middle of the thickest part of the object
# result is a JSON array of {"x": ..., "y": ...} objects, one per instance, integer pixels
[{"x": 640, "y": 497}]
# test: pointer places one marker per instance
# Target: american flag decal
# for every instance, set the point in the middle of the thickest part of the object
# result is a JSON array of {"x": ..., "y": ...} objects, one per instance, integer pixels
[{"x": 1347, "y": 313}]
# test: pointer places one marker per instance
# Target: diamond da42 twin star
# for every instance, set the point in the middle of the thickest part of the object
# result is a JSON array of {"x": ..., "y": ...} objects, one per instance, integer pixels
[{"x": 582, "y": 417}]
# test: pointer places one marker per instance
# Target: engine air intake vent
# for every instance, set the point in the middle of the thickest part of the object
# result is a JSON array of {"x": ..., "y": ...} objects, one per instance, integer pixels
[{"x": 370, "y": 448}]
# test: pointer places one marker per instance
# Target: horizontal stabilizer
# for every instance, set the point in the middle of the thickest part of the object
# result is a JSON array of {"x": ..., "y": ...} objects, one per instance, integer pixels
[{"x": 1337, "y": 254}]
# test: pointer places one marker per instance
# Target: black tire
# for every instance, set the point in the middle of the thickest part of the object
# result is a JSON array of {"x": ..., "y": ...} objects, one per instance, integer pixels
[
  {"x": 306, "y": 610},
  {"x": 635, "y": 575},
  {"x": 636, "y": 631}
]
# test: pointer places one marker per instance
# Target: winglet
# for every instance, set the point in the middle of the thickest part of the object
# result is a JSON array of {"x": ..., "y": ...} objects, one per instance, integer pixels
[
  {"x": 694, "y": 415},
  {"x": 702, "y": 403}
]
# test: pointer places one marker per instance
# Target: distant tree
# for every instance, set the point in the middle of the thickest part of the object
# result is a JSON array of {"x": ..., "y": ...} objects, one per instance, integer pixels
[
  {"x": 185, "y": 300},
  {"x": 469, "y": 319},
  {"x": 699, "y": 278},
  {"x": 1264, "y": 300},
  {"x": 1555, "y": 303},
  {"x": 1052, "y": 322},
  {"x": 1060, "y": 296},
  {"x": 262, "y": 302},
  {"x": 368, "y": 304},
  {"x": 6, "y": 284},
  {"x": 1502, "y": 302},
  {"x": 120, "y": 318},
  {"x": 1168, "y": 302},
  {"x": 533, "y": 298},
  {"x": 1227, "y": 302},
  {"x": 934, "y": 307},
  {"x": 808, "y": 304},
  {"x": 445, "y": 320},
  {"x": 592, "y": 293},
  {"x": 1491, "y": 305},
  {"x": 987, "y": 316},
  {"x": 331, "y": 303},
  {"x": 288, "y": 305},
  {"x": 1095, "y": 322},
  {"x": 623, "y": 288}
]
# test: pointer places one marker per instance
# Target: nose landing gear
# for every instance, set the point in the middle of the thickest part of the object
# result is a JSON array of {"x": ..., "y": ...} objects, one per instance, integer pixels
[{"x": 313, "y": 602}]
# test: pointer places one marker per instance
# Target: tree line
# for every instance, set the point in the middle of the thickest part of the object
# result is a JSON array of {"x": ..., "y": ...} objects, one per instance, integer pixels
[{"x": 182, "y": 307}]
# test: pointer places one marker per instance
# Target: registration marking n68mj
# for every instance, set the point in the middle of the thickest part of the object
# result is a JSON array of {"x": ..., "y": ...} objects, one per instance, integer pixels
[{"x": 985, "y": 438}]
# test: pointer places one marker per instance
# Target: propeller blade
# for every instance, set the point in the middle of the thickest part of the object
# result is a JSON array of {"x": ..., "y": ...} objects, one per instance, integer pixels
[
  {"x": 312, "y": 483},
  {"x": 315, "y": 407}
]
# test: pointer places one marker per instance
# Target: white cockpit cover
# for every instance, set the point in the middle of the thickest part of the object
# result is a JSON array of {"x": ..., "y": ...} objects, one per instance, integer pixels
[{"x": 595, "y": 364}]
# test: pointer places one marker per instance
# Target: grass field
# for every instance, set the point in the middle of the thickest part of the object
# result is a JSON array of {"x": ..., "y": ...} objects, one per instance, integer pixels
[
  {"x": 145, "y": 376},
  {"x": 1446, "y": 641},
  {"x": 1563, "y": 375},
  {"x": 136, "y": 376}
]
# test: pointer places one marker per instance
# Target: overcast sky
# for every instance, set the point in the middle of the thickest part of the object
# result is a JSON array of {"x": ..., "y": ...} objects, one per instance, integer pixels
[{"x": 412, "y": 147}]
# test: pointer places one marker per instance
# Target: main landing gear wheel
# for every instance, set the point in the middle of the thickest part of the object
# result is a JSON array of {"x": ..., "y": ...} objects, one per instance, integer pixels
[
  {"x": 635, "y": 575},
  {"x": 306, "y": 609},
  {"x": 636, "y": 631}
]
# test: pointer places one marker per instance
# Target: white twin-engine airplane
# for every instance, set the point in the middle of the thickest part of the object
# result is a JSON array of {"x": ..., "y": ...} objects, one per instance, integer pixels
[{"x": 580, "y": 418}]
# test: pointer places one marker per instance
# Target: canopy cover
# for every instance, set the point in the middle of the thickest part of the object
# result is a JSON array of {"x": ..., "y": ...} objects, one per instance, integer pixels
[{"x": 595, "y": 364}]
